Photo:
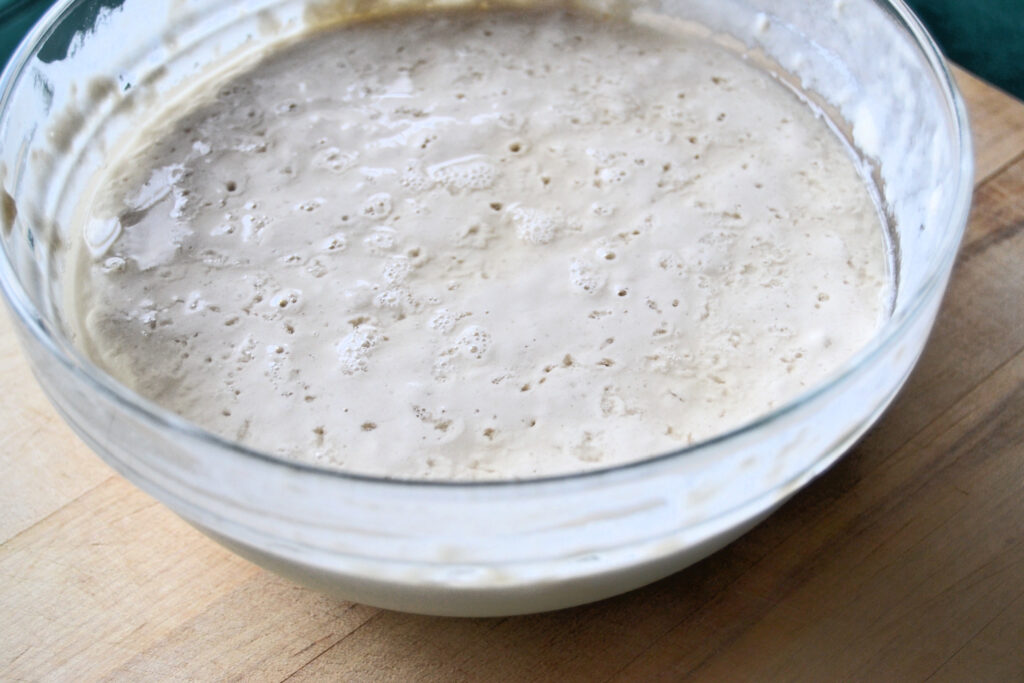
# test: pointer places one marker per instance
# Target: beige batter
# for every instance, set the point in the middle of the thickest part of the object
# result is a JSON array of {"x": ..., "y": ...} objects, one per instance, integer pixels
[{"x": 478, "y": 246}]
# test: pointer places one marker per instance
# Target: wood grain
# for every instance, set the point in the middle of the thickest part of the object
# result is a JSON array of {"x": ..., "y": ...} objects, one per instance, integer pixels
[
  {"x": 34, "y": 440},
  {"x": 904, "y": 561},
  {"x": 996, "y": 124}
]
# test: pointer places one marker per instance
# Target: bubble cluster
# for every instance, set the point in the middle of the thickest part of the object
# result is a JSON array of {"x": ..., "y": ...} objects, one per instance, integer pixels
[
  {"x": 310, "y": 205},
  {"x": 355, "y": 348},
  {"x": 613, "y": 404},
  {"x": 334, "y": 244},
  {"x": 253, "y": 226},
  {"x": 459, "y": 175},
  {"x": 473, "y": 342},
  {"x": 443, "y": 321},
  {"x": 536, "y": 226},
  {"x": 381, "y": 240},
  {"x": 335, "y": 160},
  {"x": 415, "y": 179},
  {"x": 377, "y": 206},
  {"x": 390, "y": 298},
  {"x": 396, "y": 270},
  {"x": 586, "y": 278},
  {"x": 611, "y": 176}
]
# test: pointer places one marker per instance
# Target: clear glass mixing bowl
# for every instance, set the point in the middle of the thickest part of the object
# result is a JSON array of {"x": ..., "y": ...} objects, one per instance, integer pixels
[{"x": 73, "y": 87}]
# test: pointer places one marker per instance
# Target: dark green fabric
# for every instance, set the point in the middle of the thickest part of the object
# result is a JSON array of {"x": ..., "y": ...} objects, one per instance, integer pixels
[
  {"x": 985, "y": 36},
  {"x": 16, "y": 18}
]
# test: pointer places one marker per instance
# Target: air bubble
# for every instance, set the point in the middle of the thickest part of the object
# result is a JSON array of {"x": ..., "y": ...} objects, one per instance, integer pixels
[
  {"x": 475, "y": 235},
  {"x": 334, "y": 160},
  {"x": 603, "y": 157},
  {"x": 613, "y": 176},
  {"x": 316, "y": 268},
  {"x": 585, "y": 277},
  {"x": 253, "y": 226},
  {"x": 377, "y": 206},
  {"x": 310, "y": 205},
  {"x": 287, "y": 298},
  {"x": 194, "y": 302},
  {"x": 114, "y": 264},
  {"x": 336, "y": 243},
  {"x": 101, "y": 234}
]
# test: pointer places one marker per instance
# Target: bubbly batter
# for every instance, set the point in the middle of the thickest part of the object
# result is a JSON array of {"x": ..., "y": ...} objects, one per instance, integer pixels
[{"x": 478, "y": 246}]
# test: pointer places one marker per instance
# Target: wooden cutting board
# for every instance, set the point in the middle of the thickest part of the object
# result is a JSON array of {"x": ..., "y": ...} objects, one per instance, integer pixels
[{"x": 904, "y": 561}]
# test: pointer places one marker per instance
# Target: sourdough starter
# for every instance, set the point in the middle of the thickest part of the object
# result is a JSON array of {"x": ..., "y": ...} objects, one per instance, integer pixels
[{"x": 478, "y": 246}]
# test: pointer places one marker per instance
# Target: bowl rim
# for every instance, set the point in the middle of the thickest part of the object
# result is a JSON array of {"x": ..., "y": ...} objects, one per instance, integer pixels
[{"x": 27, "y": 314}]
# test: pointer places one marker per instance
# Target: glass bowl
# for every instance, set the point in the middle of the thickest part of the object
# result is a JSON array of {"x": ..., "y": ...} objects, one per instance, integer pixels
[{"x": 474, "y": 549}]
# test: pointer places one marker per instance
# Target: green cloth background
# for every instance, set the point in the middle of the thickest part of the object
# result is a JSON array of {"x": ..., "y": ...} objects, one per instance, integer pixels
[
  {"x": 985, "y": 36},
  {"x": 16, "y": 17}
]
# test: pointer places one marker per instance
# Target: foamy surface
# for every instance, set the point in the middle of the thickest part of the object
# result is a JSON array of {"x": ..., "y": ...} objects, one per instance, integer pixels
[{"x": 477, "y": 246}]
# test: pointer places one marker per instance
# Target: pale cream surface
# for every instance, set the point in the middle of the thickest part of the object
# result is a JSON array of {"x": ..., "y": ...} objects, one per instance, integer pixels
[{"x": 482, "y": 246}]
